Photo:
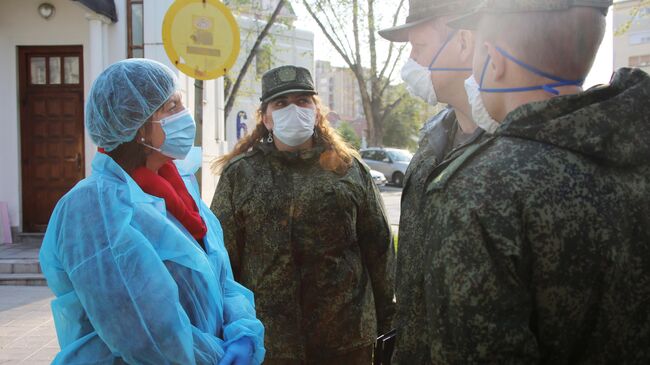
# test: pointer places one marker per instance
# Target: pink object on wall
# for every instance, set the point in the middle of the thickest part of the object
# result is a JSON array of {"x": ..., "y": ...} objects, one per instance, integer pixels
[{"x": 5, "y": 226}]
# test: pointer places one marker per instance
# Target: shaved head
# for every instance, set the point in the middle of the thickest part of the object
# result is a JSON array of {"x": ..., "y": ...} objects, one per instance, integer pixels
[{"x": 563, "y": 43}]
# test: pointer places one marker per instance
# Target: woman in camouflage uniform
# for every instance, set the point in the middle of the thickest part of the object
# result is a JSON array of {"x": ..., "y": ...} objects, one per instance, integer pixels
[{"x": 306, "y": 231}]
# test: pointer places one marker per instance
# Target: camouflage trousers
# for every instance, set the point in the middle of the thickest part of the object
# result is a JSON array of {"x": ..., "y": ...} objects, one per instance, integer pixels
[{"x": 362, "y": 356}]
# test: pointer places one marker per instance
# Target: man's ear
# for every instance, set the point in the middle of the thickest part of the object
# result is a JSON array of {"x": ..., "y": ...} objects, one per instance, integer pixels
[
  {"x": 466, "y": 47},
  {"x": 496, "y": 68}
]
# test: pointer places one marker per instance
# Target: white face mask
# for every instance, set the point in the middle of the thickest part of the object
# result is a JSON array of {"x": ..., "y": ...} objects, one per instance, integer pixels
[
  {"x": 418, "y": 81},
  {"x": 479, "y": 113},
  {"x": 293, "y": 125}
]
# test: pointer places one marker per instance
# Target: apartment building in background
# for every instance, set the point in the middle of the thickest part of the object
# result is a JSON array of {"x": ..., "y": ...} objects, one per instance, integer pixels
[{"x": 632, "y": 45}]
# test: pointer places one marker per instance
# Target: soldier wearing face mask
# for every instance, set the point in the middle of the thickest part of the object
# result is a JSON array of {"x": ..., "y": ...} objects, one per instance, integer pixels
[
  {"x": 441, "y": 58},
  {"x": 540, "y": 249},
  {"x": 306, "y": 230},
  {"x": 440, "y": 61}
]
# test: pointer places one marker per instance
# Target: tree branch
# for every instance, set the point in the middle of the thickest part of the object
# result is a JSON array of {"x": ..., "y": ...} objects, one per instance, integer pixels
[
  {"x": 390, "y": 74},
  {"x": 390, "y": 108},
  {"x": 355, "y": 31},
  {"x": 242, "y": 73},
  {"x": 625, "y": 27},
  {"x": 336, "y": 46},
  {"x": 332, "y": 30},
  {"x": 372, "y": 42},
  {"x": 392, "y": 44}
]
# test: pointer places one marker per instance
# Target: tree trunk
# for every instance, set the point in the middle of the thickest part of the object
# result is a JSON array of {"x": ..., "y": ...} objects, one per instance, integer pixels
[{"x": 372, "y": 84}]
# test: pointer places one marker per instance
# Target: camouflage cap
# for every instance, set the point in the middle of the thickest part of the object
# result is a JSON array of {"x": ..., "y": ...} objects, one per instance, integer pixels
[
  {"x": 470, "y": 21},
  {"x": 286, "y": 80},
  {"x": 421, "y": 11}
]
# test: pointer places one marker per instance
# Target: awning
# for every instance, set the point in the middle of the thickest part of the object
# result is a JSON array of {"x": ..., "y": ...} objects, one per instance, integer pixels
[{"x": 103, "y": 7}]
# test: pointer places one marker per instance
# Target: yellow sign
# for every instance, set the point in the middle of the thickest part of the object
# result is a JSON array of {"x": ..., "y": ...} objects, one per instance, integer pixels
[{"x": 201, "y": 38}]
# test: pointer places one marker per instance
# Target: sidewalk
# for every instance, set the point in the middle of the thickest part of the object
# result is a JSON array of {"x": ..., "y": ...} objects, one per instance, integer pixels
[{"x": 27, "y": 334}]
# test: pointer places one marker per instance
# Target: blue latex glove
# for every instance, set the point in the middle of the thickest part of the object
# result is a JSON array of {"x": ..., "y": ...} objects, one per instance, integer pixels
[{"x": 239, "y": 352}]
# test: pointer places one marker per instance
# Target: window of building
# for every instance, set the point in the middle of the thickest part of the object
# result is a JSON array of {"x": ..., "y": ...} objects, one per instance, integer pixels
[
  {"x": 640, "y": 61},
  {"x": 639, "y": 37},
  {"x": 48, "y": 70},
  {"x": 135, "y": 26}
]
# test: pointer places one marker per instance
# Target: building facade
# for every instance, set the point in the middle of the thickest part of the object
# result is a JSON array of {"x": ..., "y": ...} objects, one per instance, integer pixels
[
  {"x": 339, "y": 91},
  {"x": 284, "y": 45},
  {"x": 632, "y": 34},
  {"x": 49, "y": 57}
]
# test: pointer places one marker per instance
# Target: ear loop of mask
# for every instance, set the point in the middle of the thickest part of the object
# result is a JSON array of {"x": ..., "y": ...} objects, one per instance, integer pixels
[
  {"x": 549, "y": 88},
  {"x": 442, "y": 48}
]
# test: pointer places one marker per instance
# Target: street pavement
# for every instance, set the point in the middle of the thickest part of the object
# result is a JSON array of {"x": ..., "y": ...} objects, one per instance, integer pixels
[
  {"x": 27, "y": 334},
  {"x": 392, "y": 196}
]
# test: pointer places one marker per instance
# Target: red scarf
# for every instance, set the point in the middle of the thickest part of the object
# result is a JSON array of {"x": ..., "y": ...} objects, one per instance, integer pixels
[{"x": 169, "y": 185}]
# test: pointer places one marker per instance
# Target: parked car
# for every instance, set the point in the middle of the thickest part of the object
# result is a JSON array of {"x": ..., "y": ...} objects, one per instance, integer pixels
[
  {"x": 378, "y": 177},
  {"x": 391, "y": 162}
]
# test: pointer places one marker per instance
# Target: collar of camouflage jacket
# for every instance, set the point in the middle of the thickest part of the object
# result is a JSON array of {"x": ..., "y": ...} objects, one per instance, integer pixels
[
  {"x": 435, "y": 135},
  {"x": 609, "y": 123},
  {"x": 305, "y": 155}
]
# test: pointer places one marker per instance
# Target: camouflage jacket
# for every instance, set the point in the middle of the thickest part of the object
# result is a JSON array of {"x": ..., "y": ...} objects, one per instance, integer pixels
[
  {"x": 313, "y": 246},
  {"x": 436, "y": 141},
  {"x": 541, "y": 247}
]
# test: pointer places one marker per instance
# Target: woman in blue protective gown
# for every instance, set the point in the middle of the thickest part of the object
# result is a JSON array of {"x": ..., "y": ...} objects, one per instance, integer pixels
[{"x": 135, "y": 258}]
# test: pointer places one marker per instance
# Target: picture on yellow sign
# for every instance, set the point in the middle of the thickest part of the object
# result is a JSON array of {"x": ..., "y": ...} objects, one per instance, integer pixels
[
  {"x": 201, "y": 38},
  {"x": 203, "y": 27}
]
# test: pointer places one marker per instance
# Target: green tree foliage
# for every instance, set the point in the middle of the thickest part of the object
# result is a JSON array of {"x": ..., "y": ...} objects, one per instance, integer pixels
[
  {"x": 349, "y": 135},
  {"x": 403, "y": 124}
]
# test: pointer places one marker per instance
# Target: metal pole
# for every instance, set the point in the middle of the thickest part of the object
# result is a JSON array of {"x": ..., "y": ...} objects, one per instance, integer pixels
[{"x": 198, "y": 118}]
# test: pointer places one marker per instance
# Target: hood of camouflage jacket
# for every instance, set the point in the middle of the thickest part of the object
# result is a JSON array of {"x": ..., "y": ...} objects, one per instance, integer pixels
[{"x": 609, "y": 123}]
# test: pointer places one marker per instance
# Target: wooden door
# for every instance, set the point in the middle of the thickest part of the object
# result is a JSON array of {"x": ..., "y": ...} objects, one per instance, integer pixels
[{"x": 51, "y": 128}]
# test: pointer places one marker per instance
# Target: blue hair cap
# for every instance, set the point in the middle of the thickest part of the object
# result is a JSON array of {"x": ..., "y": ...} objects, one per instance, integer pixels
[{"x": 124, "y": 97}]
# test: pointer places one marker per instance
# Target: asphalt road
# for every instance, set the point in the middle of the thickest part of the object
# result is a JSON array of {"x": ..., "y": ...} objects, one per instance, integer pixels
[{"x": 392, "y": 196}]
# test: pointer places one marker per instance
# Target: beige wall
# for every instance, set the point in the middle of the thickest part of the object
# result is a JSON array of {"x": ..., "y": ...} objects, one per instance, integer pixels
[{"x": 21, "y": 25}]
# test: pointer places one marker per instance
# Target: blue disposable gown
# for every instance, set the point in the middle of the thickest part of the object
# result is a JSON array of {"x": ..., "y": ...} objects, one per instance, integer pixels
[{"x": 132, "y": 285}]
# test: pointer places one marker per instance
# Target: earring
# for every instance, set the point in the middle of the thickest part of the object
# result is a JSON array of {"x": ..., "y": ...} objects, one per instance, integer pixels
[
  {"x": 141, "y": 139},
  {"x": 269, "y": 139}
]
